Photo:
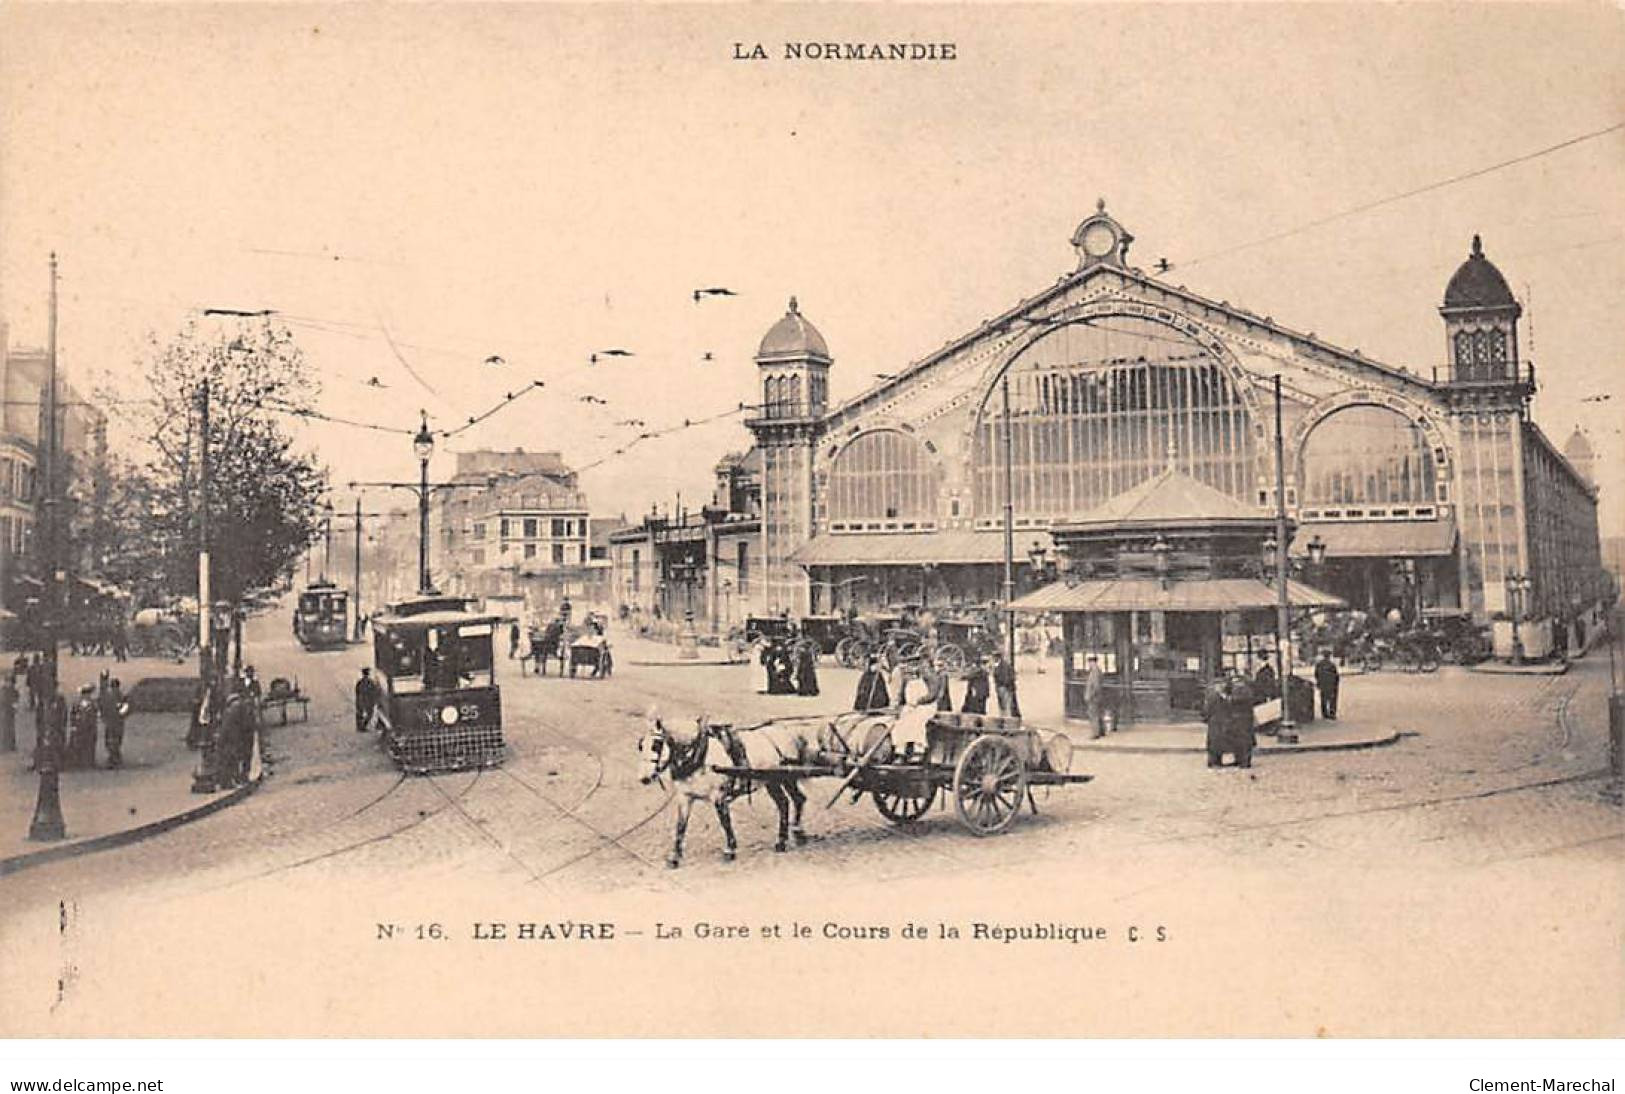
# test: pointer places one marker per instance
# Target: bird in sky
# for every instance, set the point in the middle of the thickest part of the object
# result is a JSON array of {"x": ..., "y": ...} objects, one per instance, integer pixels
[
  {"x": 495, "y": 359},
  {"x": 636, "y": 423},
  {"x": 617, "y": 353},
  {"x": 707, "y": 356},
  {"x": 1596, "y": 398},
  {"x": 1163, "y": 265},
  {"x": 373, "y": 381},
  {"x": 700, "y": 293},
  {"x": 594, "y": 399}
]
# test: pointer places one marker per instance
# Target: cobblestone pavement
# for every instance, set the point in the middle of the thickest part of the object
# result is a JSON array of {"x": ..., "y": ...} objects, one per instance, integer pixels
[{"x": 1490, "y": 806}]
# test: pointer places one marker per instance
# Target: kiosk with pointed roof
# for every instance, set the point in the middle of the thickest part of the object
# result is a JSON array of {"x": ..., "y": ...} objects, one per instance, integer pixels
[{"x": 1164, "y": 585}]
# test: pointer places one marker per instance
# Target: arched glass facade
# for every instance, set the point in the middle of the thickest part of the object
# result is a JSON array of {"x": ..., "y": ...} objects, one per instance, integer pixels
[
  {"x": 882, "y": 476},
  {"x": 1367, "y": 455},
  {"x": 1098, "y": 407}
]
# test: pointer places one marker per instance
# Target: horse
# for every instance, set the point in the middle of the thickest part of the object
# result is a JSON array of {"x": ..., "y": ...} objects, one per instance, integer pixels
[
  {"x": 550, "y": 644},
  {"x": 688, "y": 759}
]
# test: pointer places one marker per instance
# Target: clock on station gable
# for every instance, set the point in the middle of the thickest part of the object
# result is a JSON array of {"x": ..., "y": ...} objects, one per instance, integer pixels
[{"x": 1101, "y": 239}]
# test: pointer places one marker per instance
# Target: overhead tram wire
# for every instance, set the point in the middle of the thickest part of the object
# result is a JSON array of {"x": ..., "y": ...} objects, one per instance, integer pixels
[
  {"x": 377, "y": 427},
  {"x": 1366, "y": 207}
]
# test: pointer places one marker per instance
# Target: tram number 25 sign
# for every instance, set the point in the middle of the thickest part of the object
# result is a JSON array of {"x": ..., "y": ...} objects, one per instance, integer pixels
[{"x": 451, "y": 713}]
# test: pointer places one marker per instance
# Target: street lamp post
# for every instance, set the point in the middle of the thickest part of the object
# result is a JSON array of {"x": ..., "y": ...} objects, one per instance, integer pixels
[
  {"x": 423, "y": 448},
  {"x": 1288, "y": 733},
  {"x": 1518, "y": 586}
]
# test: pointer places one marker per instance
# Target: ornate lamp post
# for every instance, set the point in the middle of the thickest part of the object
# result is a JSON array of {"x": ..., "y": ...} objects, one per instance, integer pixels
[
  {"x": 423, "y": 448},
  {"x": 1518, "y": 586},
  {"x": 1317, "y": 551}
]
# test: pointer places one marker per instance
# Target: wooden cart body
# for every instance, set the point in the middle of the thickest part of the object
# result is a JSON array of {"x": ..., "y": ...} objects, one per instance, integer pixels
[{"x": 987, "y": 764}]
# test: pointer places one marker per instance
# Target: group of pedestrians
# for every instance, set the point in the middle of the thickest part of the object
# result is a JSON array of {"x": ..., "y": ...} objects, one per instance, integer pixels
[
  {"x": 879, "y": 691},
  {"x": 792, "y": 667},
  {"x": 70, "y": 735},
  {"x": 225, "y": 726}
]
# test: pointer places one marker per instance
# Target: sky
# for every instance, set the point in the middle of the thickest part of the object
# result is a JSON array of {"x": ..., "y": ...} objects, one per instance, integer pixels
[{"x": 415, "y": 189}]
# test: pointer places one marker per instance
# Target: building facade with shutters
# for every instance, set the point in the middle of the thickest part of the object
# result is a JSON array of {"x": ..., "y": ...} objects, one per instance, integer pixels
[{"x": 1429, "y": 488}]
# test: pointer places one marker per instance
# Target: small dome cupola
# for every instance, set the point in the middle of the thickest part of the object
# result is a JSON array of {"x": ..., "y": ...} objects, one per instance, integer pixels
[
  {"x": 793, "y": 361},
  {"x": 1478, "y": 284},
  {"x": 1481, "y": 322},
  {"x": 1581, "y": 456},
  {"x": 1100, "y": 239},
  {"x": 793, "y": 337}
]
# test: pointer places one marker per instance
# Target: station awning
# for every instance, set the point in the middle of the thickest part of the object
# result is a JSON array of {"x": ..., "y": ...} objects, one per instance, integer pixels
[
  {"x": 915, "y": 549},
  {"x": 1227, "y": 594},
  {"x": 1377, "y": 538}
]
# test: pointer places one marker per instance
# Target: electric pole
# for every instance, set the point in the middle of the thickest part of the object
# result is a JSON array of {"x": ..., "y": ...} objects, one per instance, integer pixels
[
  {"x": 51, "y": 591},
  {"x": 205, "y": 605}
]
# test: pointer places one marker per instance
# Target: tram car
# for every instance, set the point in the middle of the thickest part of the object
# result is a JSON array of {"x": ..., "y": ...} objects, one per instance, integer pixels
[
  {"x": 440, "y": 708},
  {"x": 321, "y": 620}
]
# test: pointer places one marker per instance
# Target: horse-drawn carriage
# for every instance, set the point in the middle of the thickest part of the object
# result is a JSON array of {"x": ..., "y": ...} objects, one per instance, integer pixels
[
  {"x": 767, "y": 630},
  {"x": 589, "y": 649},
  {"x": 987, "y": 765},
  {"x": 895, "y": 639},
  {"x": 573, "y": 647},
  {"x": 170, "y": 633}
]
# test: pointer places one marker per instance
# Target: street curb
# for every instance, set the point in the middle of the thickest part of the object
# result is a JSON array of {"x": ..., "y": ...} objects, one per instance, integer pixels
[
  {"x": 129, "y": 835},
  {"x": 685, "y": 664},
  {"x": 1557, "y": 669},
  {"x": 1261, "y": 748}
]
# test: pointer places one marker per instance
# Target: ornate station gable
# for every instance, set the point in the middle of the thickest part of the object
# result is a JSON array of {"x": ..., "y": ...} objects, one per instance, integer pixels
[{"x": 940, "y": 397}]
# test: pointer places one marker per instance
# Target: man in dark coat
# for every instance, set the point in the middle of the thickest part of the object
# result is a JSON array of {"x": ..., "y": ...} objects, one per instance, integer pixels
[
  {"x": 872, "y": 694},
  {"x": 1004, "y": 684},
  {"x": 239, "y": 724},
  {"x": 976, "y": 689},
  {"x": 1228, "y": 711},
  {"x": 8, "y": 714},
  {"x": 1327, "y": 681},
  {"x": 366, "y": 700},
  {"x": 113, "y": 712},
  {"x": 807, "y": 669},
  {"x": 777, "y": 660},
  {"x": 513, "y": 640},
  {"x": 82, "y": 738},
  {"x": 1265, "y": 684}
]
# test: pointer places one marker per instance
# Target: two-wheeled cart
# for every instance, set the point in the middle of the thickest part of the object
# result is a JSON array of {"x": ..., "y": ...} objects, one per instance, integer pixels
[{"x": 986, "y": 764}]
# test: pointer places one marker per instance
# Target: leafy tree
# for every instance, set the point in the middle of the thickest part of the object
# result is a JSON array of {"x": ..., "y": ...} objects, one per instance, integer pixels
[{"x": 263, "y": 492}]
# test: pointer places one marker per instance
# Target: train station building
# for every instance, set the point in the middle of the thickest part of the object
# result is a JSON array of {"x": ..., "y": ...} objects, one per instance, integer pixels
[{"x": 1426, "y": 488}]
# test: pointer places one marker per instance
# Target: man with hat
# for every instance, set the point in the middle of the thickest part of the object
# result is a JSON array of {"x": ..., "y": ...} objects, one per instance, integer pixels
[
  {"x": 366, "y": 700},
  {"x": 82, "y": 736},
  {"x": 113, "y": 711}
]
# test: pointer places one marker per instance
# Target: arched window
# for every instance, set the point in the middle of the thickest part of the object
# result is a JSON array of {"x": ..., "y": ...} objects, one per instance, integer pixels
[
  {"x": 1096, "y": 408},
  {"x": 1464, "y": 354},
  {"x": 884, "y": 475},
  {"x": 1367, "y": 455},
  {"x": 794, "y": 399}
]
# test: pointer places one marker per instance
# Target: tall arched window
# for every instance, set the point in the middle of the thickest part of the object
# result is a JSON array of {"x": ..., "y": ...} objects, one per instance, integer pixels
[
  {"x": 1098, "y": 407},
  {"x": 883, "y": 476},
  {"x": 1367, "y": 455}
]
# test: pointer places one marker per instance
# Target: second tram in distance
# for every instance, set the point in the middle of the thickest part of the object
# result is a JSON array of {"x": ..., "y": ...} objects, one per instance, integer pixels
[{"x": 321, "y": 620}]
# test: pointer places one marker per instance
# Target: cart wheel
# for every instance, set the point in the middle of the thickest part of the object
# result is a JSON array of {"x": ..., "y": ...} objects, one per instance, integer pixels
[
  {"x": 990, "y": 784},
  {"x": 907, "y": 804},
  {"x": 804, "y": 644},
  {"x": 850, "y": 652},
  {"x": 951, "y": 659}
]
